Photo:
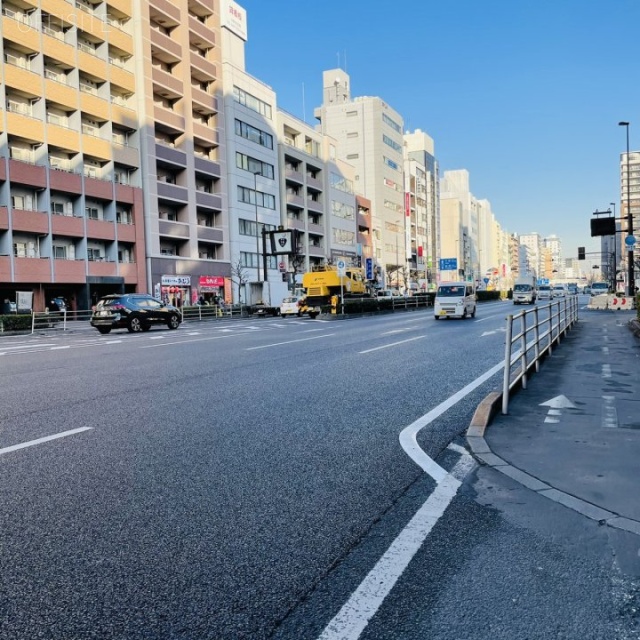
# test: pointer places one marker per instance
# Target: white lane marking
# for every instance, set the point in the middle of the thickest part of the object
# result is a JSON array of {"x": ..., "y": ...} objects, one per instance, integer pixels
[
  {"x": 354, "y": 616},
  {"x": 278, "y": 344},
  {"x": 313, "y": 330},
  {"x": 392, "y": 344},
  {"x": 158, "y": 337},
  {"x": 30, "y": 346},
  {"x": 169, "y": 344},
  {"x": 605, "y": 350},
  {"x": 388, "y": 333},
  {"x": 552, "y": 420},
  {"x": 609, "y": 412},
  {"x": 32, "y": 443},
  {"x": 67, "y": 346},
  {"x": 112, "y": 341},
  {"x": 408, "y": 435},
  {"x": 193, "y": 333},
  {"x": 606, "y": 370},
  {"x": 365, "y": 601}
]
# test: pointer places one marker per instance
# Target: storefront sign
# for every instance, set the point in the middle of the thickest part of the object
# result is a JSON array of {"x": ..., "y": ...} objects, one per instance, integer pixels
[
  {"x": 176, "y": 281},
  {"x": 211, "y": 282}
]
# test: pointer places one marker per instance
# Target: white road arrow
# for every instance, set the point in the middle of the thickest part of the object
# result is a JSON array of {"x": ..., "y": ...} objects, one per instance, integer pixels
[{"x": 559, "y": 402}]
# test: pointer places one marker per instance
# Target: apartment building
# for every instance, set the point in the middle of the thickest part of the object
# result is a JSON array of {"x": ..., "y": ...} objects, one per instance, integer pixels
[
  {"x": 177, "y": 63},
  {"x": 71, "y": 207},
  {"x": 630, "y": 203},
  {"x": 369, "y": 135}
]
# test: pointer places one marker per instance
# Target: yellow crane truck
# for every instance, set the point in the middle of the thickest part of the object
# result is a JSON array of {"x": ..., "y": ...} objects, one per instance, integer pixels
[{"x": 323, "y": 286}]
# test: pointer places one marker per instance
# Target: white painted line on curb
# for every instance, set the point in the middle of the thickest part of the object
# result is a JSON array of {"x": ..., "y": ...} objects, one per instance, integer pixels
[
  {"x": 392, "y": 344},
  {"x": 62, "y": 347},
  {"x": 32, "y": 443},
  {"x": 365, "y": 601}
]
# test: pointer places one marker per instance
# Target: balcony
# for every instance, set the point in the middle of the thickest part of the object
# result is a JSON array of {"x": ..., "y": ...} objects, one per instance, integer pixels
[
  {"x": 63, "y": 138},
  {"x": 208, "y": 200},
  {"x": 65, "y": 181},
  {"x": 96, "y": 147},
  {"x": 164, "y": 12},
  {"x": 3, "y": 165},
  {"x": 294, "y": 200},
  {"x": 210, "y": 167},
  {"x": 203, "y": 102},
  {"x": 61, "y": 94},
  {"x": 315, "y": 206},
  {"x": 30, "y": 221},
  {"x": 4, "y": 218},
  {"x": 201, "y": 68},
  {"x": 199, "y": 34},
  {"x": 169, "y": 154},
  {"x": 126, "y": 232},
  {"x": 204, "y": 134},
  {"x": 101, "y": 189},
  {"x": 21, "y": 34},
  {"x": 123, "y": 6},
  {"x": 294, "y": 176},
  {"x": 210, "y": 234},
  {"x": 316, "y": 229},
  {"x": 92, "y": 64},
  {"x": 170, "y": 119},
  {"x": 26, "y": 173},
  {"x": 131, "y": 272},
  {"x": 172, "y": 192},
  {"x": 32, "y": 270},
  {"x": 314, "y": 182},
  {"x": 124, "y": 116},
  {"x": 71, "y": 271},
  {"x": 101, "y": 230},
  {"x": 128, "y": 156},
  {"x": 67, "y": 226},
  {"x": 5, "y": 269},
  {"x": 167, "y": 85},
  {"x": 94, "y": 106},
  {"x": 173, "y": 229},
  {"x": 120, "y": 39},
  {"x": 103, "y": 269},
  {"x": 316, "y": 251},
  {"x": 21, "y": 78},
  {"x": 122, "y": 78},
  {"x": 25, "y": 126},
  {"x": 58, "y": 49},
  {"x": 164, "y": 47}
]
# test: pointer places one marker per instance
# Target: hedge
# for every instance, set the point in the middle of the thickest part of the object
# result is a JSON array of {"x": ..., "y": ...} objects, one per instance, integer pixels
[{"x": 15, "y": 322}]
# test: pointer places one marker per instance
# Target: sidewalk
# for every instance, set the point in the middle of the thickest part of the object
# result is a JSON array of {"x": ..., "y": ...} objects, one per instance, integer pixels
[{"x": 574, "y": 434}]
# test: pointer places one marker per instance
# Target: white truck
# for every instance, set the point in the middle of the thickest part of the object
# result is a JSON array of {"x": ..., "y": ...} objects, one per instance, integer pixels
[{"x": 524, "y": 290}]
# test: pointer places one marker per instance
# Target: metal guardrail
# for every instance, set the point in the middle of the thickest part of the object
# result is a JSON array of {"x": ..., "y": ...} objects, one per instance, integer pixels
[{"x": 532, "y": 340}]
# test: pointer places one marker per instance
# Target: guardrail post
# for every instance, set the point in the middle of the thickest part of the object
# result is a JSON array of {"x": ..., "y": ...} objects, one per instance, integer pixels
[
  {"x": 536, "y": 339},
  {"x": 33, "y": 322},
  {"x": 507, "y": 365},
  {"x": 523, "y": 346}
]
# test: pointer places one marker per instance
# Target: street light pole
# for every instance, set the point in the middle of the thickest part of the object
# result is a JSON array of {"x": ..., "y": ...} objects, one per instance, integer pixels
[
  {"x": 255, "y": 200},
  {"x": 615, "y": 248},
  {"x": 630, "y": 277}
]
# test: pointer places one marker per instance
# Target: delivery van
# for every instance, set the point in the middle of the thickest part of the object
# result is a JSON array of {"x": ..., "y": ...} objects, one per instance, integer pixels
[{"x": 455, "y": 300}]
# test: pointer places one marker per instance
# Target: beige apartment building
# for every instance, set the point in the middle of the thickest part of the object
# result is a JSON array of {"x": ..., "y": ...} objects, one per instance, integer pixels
[
  {"x": 101, "y": 99},
  {"x": 71, "y": 214}
]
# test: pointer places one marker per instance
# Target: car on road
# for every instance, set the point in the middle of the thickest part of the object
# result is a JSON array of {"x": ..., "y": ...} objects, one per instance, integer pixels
[
  {"x": 455, "y": 300},
  {"x": 598, "y": 288},
  {"x": 289, "y": 306},
  {"x": 559, "y": 291},
  {"x": 134, "y": 312},
  {"x": 544, "y": 292},
  {"x": 573, "y": 289}
]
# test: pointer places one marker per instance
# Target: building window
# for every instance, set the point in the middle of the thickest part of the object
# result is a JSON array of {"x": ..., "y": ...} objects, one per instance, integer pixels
[
  {"x": 265, "y": 200},
  {"x": 251, "y": 102},
  {"x": 254, "y": 134},
  {"x": 254, "y": 165}
]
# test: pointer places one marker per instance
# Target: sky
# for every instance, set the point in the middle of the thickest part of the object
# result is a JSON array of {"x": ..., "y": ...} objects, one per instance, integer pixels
[{"x": 525, "y": 95}]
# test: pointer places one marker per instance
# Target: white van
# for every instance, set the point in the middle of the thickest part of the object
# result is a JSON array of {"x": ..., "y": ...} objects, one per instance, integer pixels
[
  {"x": 454, "y": 300},
  {"x": 544, "y": 292}
]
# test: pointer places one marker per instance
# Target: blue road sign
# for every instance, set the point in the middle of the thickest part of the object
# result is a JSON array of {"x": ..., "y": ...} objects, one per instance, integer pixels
[
  {"x": 630, "y": 241},
  {"x": 485, "y": 280},
  {"x": 448, "y": 264}
]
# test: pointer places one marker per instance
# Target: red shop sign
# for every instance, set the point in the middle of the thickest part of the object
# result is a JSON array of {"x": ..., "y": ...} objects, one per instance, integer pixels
[{"x": 211, "y": 281}]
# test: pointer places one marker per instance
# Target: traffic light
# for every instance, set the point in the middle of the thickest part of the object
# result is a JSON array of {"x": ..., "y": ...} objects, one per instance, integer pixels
[{"x": 581, "y": 253}]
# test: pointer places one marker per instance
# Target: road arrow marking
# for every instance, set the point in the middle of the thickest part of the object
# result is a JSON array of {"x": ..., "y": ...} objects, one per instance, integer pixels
[{"x": 559, "y": 402}]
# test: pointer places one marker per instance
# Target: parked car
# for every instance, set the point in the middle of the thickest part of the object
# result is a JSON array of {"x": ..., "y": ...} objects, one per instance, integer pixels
[
  {"x": 57, "y": 304},
  {"x": 598, "y": 288},
  {"x": 388, "y": 293},
  {"x": 289, "y": 306},
  {"x": 573, "y": 289},
  {"x": 134, "y": 312}
]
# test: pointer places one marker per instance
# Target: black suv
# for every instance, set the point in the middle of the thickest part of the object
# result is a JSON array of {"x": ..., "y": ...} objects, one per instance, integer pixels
[{"x": 134, "y": 312}]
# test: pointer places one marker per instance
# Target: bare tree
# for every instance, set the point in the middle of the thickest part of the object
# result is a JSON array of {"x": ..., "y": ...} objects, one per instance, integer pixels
[{"x": 239, "y": 277}]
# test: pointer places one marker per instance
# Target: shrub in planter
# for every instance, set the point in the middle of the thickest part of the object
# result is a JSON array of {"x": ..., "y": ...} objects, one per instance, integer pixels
[{"x": 13, "y": 322}]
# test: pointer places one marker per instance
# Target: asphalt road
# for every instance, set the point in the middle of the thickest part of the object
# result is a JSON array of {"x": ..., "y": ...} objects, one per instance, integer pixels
[{"x": 238, "y": 480}]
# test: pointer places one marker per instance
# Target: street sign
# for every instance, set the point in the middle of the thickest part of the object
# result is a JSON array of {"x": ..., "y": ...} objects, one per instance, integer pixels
[
  {"x": 342, "y": 265},
  {"x": 485, "y": 280},
  {"x": 630, "y": 241},
  {"x": 368, "y": 265},
  {"x": 448, "y": 264}
]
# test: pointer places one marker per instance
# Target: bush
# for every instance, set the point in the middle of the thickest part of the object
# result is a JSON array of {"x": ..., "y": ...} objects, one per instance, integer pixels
[
  {"x": 15, "y": 322},
  {"x": 484, "y": 296}
]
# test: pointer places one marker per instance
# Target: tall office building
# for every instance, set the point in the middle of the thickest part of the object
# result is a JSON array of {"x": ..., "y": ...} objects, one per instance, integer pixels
[
  {"x": 369, "y": 135},
  {"x": 422, "y": 191},
  {"x": 630, "y": 202},
  {"x": 71, "y": 214}
]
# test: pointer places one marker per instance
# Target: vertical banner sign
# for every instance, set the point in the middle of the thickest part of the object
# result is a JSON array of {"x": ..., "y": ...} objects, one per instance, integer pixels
[
  {"x": 407, "y": 204},
  {"x": 368, "y": 268}
]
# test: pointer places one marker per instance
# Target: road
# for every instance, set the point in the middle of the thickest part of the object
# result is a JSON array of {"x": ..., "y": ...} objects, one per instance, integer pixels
[{"x": 239, "y": 480}]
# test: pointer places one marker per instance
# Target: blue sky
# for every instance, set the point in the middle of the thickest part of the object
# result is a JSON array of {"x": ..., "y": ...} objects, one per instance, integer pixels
[{"x": 526, "y": 95}]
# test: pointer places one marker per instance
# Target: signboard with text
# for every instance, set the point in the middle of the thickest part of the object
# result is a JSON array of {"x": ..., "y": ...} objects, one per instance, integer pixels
[{"x": 448, "y": 264}]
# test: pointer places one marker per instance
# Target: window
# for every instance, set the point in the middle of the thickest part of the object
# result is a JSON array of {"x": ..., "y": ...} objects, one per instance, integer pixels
[
  {"x": 251, "y": 102},
  {"x": 341, "y": 183},
  {"x": 265, "y": 200},
  {"x": 249, "y": 227},
  {"x": 342, "y": 210},
  {"x": 60, "y": 252},
  {"x": 392, "y": 123},
  {"x": 344, "y": 237},
  {"x": 94, "y": 255},
  {"x": 390, "y": 163},
  {"x": 254, "y": 134},
  {"x": 93, "y": 213},
  {"x": 254, "y": 165},
  {"x": 123, "y": 216},
  {"x": 392, "y": 143}
]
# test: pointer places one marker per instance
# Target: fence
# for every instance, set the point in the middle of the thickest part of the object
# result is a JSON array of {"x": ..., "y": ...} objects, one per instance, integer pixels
[{"x": 534, "y": 339}]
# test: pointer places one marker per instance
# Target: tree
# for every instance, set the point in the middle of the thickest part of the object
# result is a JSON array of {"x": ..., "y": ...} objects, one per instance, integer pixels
[{"x": 239, "y": 277}]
